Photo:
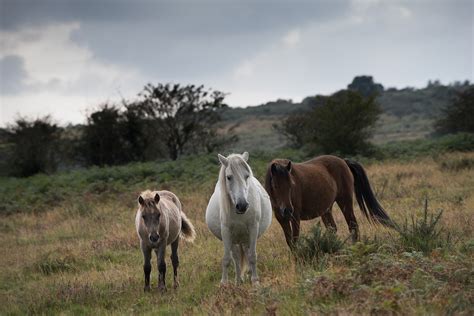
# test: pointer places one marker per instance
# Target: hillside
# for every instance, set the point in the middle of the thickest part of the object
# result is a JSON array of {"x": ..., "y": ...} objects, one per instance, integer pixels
[{"x": 407, "y": 114}]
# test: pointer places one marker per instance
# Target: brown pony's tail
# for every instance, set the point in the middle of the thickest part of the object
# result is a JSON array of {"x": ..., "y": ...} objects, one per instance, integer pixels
[
  {"x": 365, "y": 196},
  {"x": 187, "y": 229}
]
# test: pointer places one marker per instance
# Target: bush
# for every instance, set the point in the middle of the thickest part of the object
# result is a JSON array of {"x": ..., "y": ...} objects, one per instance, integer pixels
[
  {"x": 316, "y": 244},
  {"x": 458, "y": 164},
  {"x": 35, "y": 145},
  {"x": 459, "y": 116},
  {"x": 423, "y": 234},
  {"x": 340, "y": 124}
]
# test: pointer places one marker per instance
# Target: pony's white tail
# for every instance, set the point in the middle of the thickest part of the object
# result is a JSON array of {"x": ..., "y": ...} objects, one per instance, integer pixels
[
  {"x": 243, "y": 262},
  {"x": 187, "y": 229}
]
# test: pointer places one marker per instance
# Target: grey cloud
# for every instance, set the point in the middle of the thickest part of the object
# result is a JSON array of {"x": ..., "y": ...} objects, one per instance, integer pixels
[{"x": 162, "y": 37}]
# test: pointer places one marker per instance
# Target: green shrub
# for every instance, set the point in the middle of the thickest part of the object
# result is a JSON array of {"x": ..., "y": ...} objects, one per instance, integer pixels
[
  {"x": 316, "y": 244},
  {"x": 457, "y": 164},
  {"x": 423, "y": 234},
  {"x": 463, "y": 142}
]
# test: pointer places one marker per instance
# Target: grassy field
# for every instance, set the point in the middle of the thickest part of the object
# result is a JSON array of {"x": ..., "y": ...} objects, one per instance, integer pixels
[{"x": 69, "y": 246}]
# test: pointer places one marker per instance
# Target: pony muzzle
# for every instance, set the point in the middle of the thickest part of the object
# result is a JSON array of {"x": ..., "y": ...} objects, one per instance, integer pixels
[
  {"x": 154, "y": 237},
  {"x": 242, "y": 207},
  {"x": 286, "y": 212}
]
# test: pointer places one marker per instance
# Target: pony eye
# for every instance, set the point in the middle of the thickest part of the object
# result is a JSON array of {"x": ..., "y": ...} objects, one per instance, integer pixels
[
  {"x": 143, "y": 216},
  {"x": 229, "y": 178}
]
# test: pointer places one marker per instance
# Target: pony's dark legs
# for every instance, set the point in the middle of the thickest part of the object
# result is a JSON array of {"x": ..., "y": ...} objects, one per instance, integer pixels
[
  {"x": 285, "y": 225},
  {"x": 175, "y": 261},
  {"x": 160, "y": 255},
  {"x": 295, "y": 227},
  {"x": 146, "y": 265},
  {"x": 347, "y": 209},
  {"x": 328, "y": 220}
]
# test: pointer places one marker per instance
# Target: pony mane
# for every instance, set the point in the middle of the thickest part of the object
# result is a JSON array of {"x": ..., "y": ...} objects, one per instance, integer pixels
[
  {"x": 237, "y": 165},
  {"x": 149, "y": 199},
  {"x": 148, "y": 194},
  {"x": 280, "y": 168}
]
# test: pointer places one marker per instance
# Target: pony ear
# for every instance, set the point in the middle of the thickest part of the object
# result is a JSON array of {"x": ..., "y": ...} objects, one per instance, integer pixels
[
  {"x": 273, "y": 168},
  {"x": 156, "y": 198},
  {"x": 141, "y": 200},
  {"x": 288, "y": 166},
  {"x": 224, "y": 161},
  {"x": 245, "y": 155}
]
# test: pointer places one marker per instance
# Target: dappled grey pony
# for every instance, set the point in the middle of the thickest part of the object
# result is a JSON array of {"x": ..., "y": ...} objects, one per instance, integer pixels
[
  {"x": 160, "y": 221},
  {"x": 238, "y": 213}
]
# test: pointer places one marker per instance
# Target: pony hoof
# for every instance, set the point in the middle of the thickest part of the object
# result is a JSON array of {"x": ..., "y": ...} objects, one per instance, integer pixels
[
  {"x": 224, "y": 283},
  {"x": 146, "y": 289},
  {"x": 162, "y": 288},
  {"x": 255, "y": 282},
  {"x": 176, "y": 285}
]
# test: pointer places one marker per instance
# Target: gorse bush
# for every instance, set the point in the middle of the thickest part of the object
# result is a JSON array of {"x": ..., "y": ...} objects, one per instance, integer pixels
[
  {"x": 316, "y": 244},
  {"x": 423, "y": 234}
]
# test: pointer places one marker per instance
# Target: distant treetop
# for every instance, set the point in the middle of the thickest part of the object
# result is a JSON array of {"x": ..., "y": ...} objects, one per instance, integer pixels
[{"x": 366, "y": 86}]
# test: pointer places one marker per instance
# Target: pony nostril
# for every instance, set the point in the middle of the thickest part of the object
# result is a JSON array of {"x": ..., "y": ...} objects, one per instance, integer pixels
[
  {"x": 154, "y": 238},
  {"x": 242, "y": 206}
]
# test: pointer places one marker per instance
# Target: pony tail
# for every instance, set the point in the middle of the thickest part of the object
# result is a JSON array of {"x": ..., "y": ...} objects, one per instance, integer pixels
[
  {"x": 188, "y": 232},
  {"x": 368, "y": 203}
]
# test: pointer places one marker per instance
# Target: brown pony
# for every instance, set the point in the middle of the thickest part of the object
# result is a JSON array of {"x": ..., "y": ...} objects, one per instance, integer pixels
[{"x": 303, "y": 191}]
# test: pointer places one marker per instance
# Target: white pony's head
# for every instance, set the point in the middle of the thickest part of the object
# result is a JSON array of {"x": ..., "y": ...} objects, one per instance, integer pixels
[{"x": 234, "y": 178}]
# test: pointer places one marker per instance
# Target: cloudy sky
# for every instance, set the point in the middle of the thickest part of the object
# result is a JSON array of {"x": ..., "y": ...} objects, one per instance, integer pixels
[{"x": 64, "y": 57}]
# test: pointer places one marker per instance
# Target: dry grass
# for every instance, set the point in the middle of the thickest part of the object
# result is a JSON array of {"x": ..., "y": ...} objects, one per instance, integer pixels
[{"x": 72, "y": 261}]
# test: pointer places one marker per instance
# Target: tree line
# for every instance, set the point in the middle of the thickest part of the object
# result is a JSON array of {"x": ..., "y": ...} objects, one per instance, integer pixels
[{"x": 167, "y": 121}]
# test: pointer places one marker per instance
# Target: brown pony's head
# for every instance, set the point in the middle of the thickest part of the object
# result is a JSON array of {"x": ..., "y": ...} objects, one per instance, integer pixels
[
  {"x": 151, "y": 214},
  {"x": 278, "y": 183}
]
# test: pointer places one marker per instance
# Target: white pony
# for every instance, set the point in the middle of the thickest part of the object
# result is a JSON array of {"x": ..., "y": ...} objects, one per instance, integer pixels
[{"x": 238, "y": 213}]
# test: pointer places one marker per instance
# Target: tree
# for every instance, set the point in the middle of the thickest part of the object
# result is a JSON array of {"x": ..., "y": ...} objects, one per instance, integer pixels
[
  {"x": 103, "y": 142},
  {"x": 345, "y": 123},
  {"x": 186, "y": 115},
  {"x": 294, "y": 128},
  {"x": 366, "y": 86},
  {"x": 140, "y": 132},
  {"x": 341, "y": 123},
  {"x": 35, "y": 145},
  {"x": 459, "y": 116}
]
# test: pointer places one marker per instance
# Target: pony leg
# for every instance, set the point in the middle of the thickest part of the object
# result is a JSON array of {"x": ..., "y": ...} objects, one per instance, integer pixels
[
  {"x": 348, "y": 211},
  {"x": 328, "y": 220},
  {"x": 175, "y": 262},
  {"x": 295, "y": 227},
  {"x": 236, "y": 257},
  {"x": 227, "y": 253},
  {"x": 146, "y": 265},
  {"x": 286, "y": 227},
  {"x": 252, "y": 254},
  {"x": 160, "y": 255}
]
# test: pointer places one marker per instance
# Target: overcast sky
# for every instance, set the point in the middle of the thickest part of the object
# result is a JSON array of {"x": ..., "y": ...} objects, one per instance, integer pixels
[{"x": 65, "y": 57}]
